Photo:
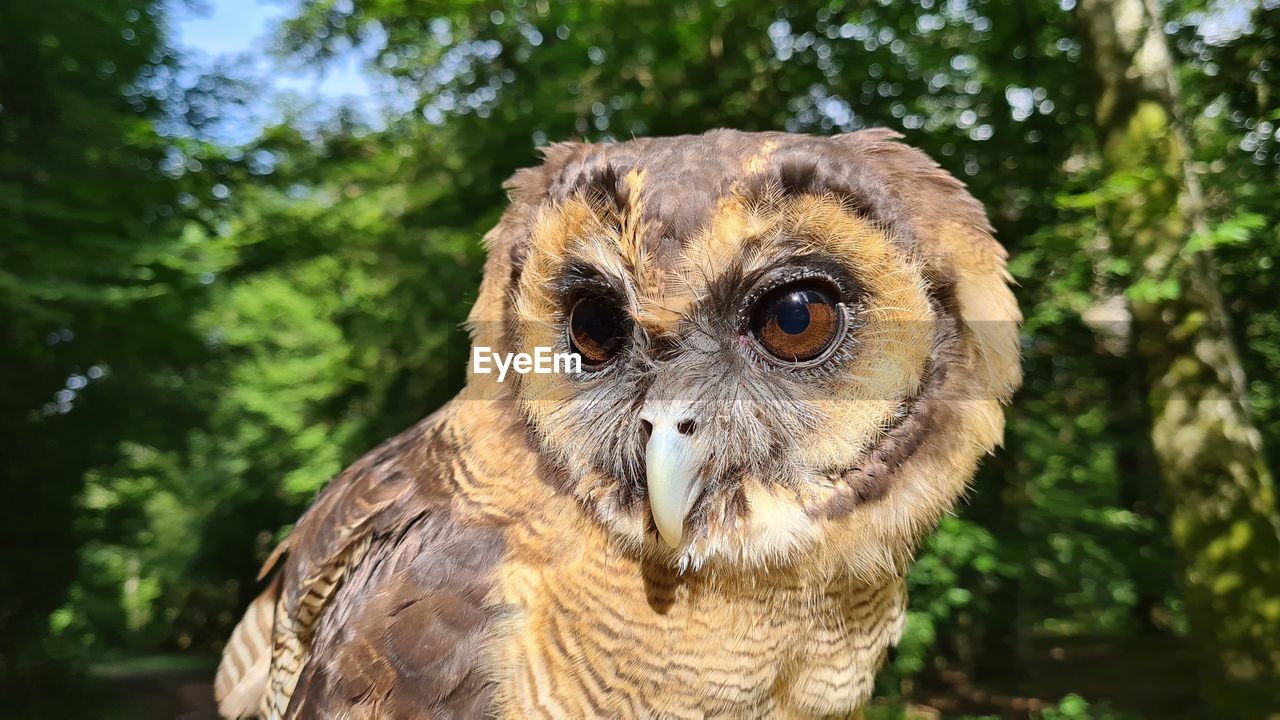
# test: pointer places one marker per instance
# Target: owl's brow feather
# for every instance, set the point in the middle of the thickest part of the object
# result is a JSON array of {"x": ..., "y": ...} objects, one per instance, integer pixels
[
  {"x": 532, "y": 319},
  {"x": 884, "y": 309},
  {"x": 699, "y": 330},
  {"x": 750, "y": 248}
]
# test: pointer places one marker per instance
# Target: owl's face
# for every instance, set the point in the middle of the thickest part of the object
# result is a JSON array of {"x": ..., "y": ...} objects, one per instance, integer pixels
[{"x": 777, "y": 357}]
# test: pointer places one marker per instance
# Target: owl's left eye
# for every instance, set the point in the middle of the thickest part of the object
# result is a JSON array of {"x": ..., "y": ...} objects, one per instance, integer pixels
[
  {"x": 796, "y": 323},
  {"x": 595, "y": 330}
]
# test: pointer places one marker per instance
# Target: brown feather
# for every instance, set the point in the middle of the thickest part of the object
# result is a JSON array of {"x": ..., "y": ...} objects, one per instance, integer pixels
[{"x": 381, "y": 589}]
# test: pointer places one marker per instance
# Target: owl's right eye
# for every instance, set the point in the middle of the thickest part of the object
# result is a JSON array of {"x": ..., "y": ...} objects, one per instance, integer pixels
[{"x": 595, "y": 330}]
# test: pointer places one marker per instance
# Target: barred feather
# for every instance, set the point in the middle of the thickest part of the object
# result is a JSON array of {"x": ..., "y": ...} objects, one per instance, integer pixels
[{"x": 246, "y": 659}]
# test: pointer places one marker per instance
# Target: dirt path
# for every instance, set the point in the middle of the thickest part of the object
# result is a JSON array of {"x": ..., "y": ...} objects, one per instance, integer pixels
[{"x": 164, "y": 694}]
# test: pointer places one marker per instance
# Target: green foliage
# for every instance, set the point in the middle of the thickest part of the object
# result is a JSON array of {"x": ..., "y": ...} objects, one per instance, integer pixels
[
  {"x": 1074, "y": 707},
  {"x": 97, "y": 286},
  {"x": 959, "y": 569}
]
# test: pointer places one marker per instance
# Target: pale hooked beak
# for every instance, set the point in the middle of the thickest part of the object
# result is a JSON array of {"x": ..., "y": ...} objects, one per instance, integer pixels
[{"x": 672, "y": 462}]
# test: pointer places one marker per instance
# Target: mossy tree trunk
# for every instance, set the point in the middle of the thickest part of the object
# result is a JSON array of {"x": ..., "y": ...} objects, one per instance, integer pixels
[{"x": 1220, "y": 492}]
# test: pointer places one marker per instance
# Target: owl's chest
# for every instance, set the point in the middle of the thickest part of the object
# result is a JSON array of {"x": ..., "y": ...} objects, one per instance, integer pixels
[{"x": 616, "y": 640}]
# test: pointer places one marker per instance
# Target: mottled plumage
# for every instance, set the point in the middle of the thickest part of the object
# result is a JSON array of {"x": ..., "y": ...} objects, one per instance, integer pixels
[{"x": 702, "y": 523}]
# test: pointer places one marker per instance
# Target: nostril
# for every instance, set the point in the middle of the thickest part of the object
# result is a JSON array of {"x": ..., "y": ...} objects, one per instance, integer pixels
[
  {"x": 686, "y": 427},
  {"x": 646, "y": 429}
]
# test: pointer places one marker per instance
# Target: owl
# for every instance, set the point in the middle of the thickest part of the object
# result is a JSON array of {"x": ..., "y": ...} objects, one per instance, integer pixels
[{"x": 790, "y": 354}]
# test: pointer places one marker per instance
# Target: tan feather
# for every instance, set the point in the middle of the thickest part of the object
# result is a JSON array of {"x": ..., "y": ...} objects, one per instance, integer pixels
[{"x": 246, "y": 659}]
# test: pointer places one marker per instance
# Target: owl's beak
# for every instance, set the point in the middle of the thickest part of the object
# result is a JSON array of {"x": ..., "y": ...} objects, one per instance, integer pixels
[{"x": 672, "y": 462}]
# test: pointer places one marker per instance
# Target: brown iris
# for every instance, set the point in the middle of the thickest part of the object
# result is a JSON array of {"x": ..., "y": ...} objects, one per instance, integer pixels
[
  {"x": 796, "y": 322},
  {"x": 595, "y": 330}
]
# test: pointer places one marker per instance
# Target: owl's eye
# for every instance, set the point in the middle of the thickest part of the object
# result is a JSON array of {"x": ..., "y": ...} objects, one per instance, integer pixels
[
  {"x": 796, "y": 322},
  {"x": 595, "y": 330}
]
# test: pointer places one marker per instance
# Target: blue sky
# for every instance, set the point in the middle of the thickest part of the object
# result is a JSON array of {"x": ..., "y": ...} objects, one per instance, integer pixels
[{"x": 241, "y": 33}]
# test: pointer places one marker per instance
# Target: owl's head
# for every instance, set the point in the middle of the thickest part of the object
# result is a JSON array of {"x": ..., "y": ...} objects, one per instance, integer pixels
[{"x": 791, "y": 346}]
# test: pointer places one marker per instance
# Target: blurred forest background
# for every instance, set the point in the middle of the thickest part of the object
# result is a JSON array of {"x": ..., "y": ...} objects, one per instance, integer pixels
[{"x": 197, "y": 332}]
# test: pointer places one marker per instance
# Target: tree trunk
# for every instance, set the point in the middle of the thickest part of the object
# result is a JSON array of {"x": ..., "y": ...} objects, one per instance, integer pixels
[{"x": 1220, "y": 491}]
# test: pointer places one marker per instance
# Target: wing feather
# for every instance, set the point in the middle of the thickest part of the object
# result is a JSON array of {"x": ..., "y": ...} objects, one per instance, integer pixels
[
  {"x": 246, "y": 659},
  {"x": 379, "y": 594}
]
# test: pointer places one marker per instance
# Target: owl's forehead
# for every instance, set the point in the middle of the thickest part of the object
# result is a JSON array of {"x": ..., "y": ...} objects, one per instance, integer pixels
[
  {"x": 678, "y": 184},
  {"x": 669, "y": 219},
  {"x": 670, "y": 191}
]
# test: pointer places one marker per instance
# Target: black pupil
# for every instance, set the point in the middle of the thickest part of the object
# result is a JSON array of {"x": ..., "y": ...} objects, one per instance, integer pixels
[
  {"x": 792, "y": 311},
  {"x": 595, "y": 322}
]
